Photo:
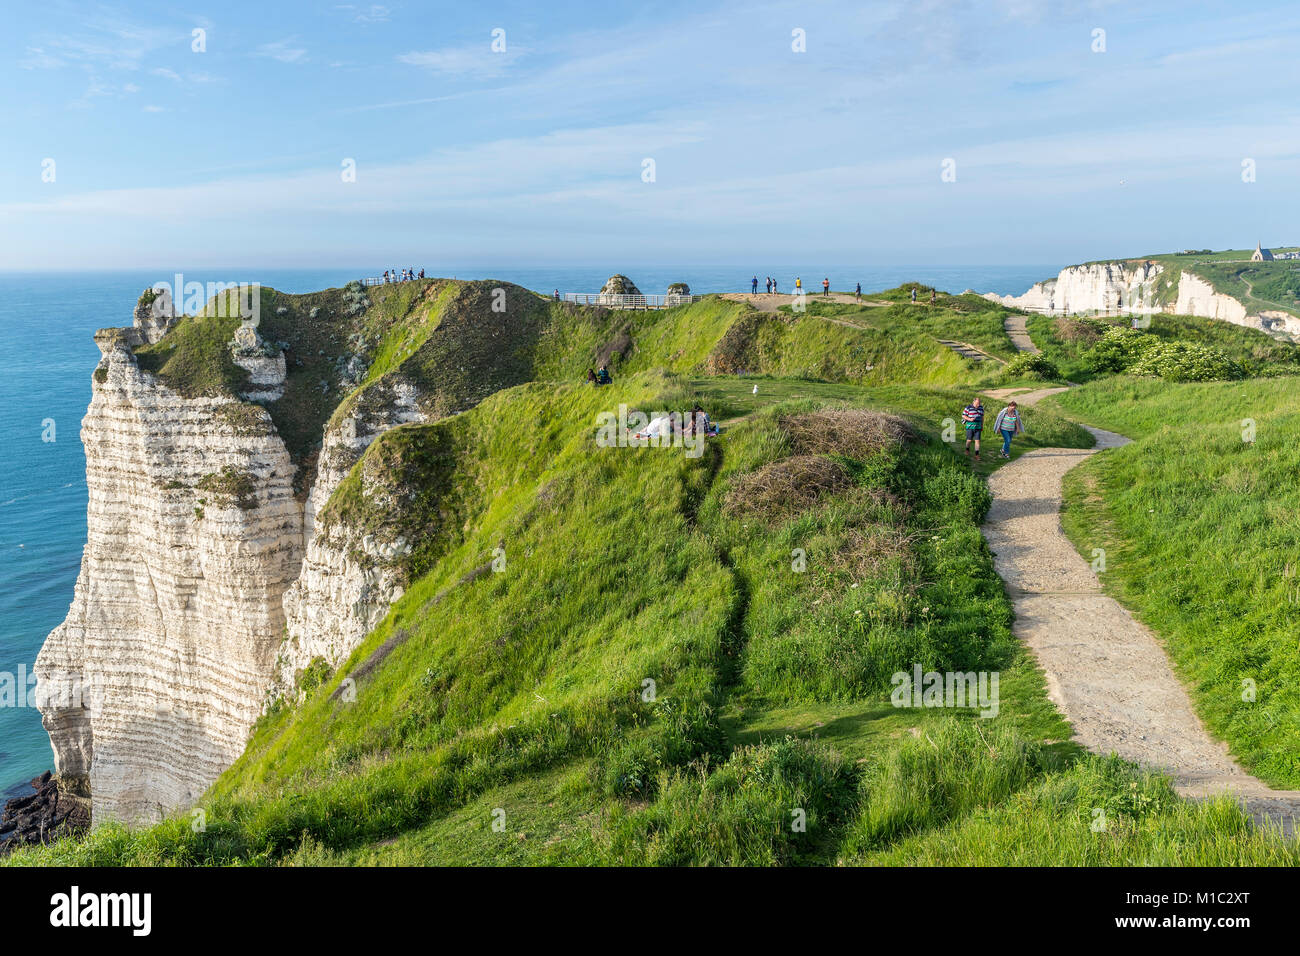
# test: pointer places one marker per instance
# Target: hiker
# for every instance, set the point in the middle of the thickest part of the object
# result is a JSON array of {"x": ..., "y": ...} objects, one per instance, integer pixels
[
  {"x": 769, "y": 285},
  {"x": 913, "y": 295},
  {"x": 591, "y": 376},
  {"x": 932, "y": 297},
  {"x": 753, "y": 285},
  {"x": 603, "y": 377},
  {"x": 798, "y": 285},
  {"x": 826, "y": 287},
  {"x": 557, "y": 295},
  {"x": 972, "y": 418},
  {"x": 857, "y": 293},
  {"x": 773, "y": 285},
  {"x": 1008, "y": 424},
  {"x": 421, "y": 273}
]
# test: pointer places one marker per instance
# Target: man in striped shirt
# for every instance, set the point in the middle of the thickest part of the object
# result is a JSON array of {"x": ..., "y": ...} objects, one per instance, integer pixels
[{"x": 972, "y": 418}]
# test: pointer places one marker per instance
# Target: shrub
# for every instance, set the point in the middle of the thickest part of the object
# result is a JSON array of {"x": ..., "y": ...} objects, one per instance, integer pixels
[
  {"x": 1118, "y": 349},
  {"x": 1186, "y": 362},
  {"x": 1030, "y": 365},
  {"x": 854, "y": 433},
  {"x": 786, "y": 487},
  {"x": 1083, "y": 331}
]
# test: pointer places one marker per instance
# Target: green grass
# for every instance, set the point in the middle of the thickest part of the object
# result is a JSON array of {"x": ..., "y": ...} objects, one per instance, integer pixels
[
  {"x": 634, "y": 657},
  {"x": 1201, "y": 533}
]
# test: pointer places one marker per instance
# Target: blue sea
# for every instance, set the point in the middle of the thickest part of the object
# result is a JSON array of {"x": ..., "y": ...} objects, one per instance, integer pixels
[{"x": 47, "y": 321}]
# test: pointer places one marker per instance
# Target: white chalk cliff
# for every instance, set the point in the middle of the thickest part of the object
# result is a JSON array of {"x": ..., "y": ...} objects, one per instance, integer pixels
[
  {"x": 1140, "y": 287},
  {"x": 1197, "y": 297},
  {"x": 195, "y": 549},
  {"x": 1098, "y": 287},
  {"x": 348, "y": 580}
]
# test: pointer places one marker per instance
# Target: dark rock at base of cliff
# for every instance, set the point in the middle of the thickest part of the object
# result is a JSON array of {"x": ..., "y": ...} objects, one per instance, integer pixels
[{"x": 43, "y": 816}]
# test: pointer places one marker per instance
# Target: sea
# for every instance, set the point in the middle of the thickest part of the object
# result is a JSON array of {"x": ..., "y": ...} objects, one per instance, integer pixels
[{"x": 47, "y": 321}]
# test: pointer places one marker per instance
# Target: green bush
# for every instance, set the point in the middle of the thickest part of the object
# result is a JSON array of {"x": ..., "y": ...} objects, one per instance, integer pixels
[
  {"x": 1186, "y": 362},
  {"x": 1118, "y": 349},
  {"x": 1030, "y": 365}
]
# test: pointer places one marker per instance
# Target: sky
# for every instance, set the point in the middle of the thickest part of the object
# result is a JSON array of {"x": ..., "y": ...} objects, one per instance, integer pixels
[{"x": 292, "y": 134}]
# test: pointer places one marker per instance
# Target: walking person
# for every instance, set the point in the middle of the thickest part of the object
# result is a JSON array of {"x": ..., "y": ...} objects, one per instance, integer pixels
[
  {"x": 1008, "y": 424},
  {"x": 857, "y": 293},
  {"x": 826, "y": 287},
  {"x": 769, "y": 285},
  {"x": 932, "y": 297},
  {"x": 774, "y": 286},
  {"x": 913, "y": 295},
  {"x": 972, "y": 419}
]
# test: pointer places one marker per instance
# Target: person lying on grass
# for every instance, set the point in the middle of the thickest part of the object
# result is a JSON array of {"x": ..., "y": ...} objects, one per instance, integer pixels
[
  {"x": 1008, "y": 424},
  {"x": 972, "y": 419}
]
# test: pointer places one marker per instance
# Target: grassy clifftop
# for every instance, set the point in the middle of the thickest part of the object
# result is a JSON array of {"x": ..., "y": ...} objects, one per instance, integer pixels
[
  {"x": 631, "y": 655},
  {"x": 634, "y": 656}
]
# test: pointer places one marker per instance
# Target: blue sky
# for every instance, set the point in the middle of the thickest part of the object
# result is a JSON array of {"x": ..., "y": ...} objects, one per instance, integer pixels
[{"x": 169, "y": 158}]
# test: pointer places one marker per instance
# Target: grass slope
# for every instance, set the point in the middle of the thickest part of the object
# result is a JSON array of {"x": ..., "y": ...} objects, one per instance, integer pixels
[
  {"x": 1201, "y": 533},
  {"x": 504, "y": 716}
]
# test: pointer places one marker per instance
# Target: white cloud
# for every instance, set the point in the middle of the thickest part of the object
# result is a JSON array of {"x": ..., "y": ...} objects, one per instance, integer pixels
[
  {"x": 478, "y": 60},
  {"x": 283, "y": 50}
]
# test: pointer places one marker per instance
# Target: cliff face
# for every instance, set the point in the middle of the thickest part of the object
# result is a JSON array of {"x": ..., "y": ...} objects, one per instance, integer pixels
[
  {"x": 160, "y": 668},
  {"x": 206, "y": 585},
  {"x": 347, "y": 582},
  {"x": 1197, "y": 297},
  {"x": 1099, "y": 287}
]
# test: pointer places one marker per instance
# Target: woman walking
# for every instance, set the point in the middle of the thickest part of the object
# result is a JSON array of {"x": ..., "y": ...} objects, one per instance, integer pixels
[{"x": 1008, "y": 424}]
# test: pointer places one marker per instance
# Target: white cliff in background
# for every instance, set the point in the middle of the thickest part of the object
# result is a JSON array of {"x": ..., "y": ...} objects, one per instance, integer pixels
[{"x": 1098, "y": 287}]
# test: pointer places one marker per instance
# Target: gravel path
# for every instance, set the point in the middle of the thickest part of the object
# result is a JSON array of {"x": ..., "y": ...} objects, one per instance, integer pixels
[{"x": 1106, "y": 672}]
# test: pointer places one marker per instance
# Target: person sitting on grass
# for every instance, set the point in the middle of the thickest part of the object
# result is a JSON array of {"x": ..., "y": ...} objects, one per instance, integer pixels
[
  {"x": 591, "y": 377},
  {"x": 699, "y": 423},
  {"x": 1008, "y": 424},
  {"x": 603, "y": 377},
  {"x": 972, "y": 418}
]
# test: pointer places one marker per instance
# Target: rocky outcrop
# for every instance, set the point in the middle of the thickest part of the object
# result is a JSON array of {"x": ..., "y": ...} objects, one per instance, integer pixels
[
  {"x": 1098, "y": 287},
  {"x": 263, "y": 362},
  {"x": 348, "y": 581},
  {"x": 193, "y": 535},
  {"x": 615, "y": 286},
  {"x": 44, "y": 815}
]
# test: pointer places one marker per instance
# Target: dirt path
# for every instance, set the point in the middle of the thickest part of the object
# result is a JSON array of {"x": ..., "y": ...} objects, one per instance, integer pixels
[
  {"x": 1106, "y": 672},
  {"x": 1018, "y": 332},
  {"x": 771, "y": 301}
]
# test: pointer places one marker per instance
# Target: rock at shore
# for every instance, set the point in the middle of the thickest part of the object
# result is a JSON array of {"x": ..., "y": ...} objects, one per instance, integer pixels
[{"x": 44, "y": 816}]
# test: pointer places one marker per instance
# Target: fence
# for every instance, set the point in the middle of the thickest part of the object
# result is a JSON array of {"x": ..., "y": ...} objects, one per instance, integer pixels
[
  {"x": 1113, "y": 310},
  {"x": 611, "y": 300}
]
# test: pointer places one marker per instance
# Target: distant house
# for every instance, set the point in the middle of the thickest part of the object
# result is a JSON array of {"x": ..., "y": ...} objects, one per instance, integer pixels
[{"x": 1261, "y": 255}]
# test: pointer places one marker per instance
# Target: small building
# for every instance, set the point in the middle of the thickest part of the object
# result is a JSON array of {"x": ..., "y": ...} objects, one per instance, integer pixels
[{"x": 1261, "y": 254}]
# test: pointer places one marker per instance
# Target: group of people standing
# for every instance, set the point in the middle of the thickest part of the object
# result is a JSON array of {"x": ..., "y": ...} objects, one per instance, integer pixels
[
  {"x": 771, "y": 286},
  {"x": 406, "y": 275},
  {"x": 1008, "y": 424}
]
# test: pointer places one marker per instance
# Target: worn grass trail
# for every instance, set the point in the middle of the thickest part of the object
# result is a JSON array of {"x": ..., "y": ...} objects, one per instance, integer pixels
[{"x": 1106, "y": 672}]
